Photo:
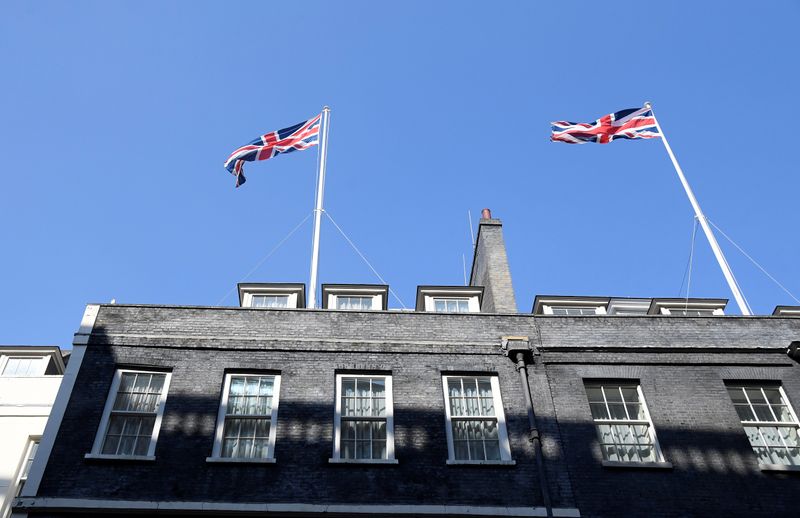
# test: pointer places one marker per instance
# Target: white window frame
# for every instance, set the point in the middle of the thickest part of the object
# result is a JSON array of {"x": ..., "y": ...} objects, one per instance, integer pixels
[
  {"x": 102, "y": 430},
  {"x": 502, "y": 432},
  {"x": 669, "y": 311},
  {"x": 375, "y": 304},
  {"x": 5, "y": 359},
  {"x": 547, "y": 309},
  {"x": 377, "y": 300},
  {"x": 389, "y": 418},
  {"x": 472, "y": 303},
  {"x": 291, "y": 303},
  {"x": 648, "y": 421},
  {"x": 216, "y": 453},
  {"x": 21, "y": 475},
  {"x": 795, "y": 423}
]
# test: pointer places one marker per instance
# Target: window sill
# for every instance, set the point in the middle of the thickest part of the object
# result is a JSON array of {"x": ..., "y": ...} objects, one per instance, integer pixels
[
  {"x": 234, "y": 460},
  {"x": 363, "y": 461},
  {"x": 778, "y": 467},
  {"x": 637, "y": 465},
  {"x": 451, "y": 462},
  {"x": 105, "y": 456}
]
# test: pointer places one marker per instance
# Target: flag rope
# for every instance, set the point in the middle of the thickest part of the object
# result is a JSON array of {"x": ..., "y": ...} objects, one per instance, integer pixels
[
  {"x": 364, "y": 258},
  {"x": 773, "y": 279},
  {"x": 274, "y": 249},
  {"x": 689, "y": 264}
]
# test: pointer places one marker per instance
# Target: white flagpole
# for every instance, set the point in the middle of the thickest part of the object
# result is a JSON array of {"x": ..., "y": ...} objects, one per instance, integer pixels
[
  {"x": 723, "y": 263},
  {"x": 323, "y": 154}
]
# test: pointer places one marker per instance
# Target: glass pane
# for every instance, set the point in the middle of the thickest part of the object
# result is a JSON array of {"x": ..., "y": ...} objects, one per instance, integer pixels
[
  {"x": 594, "y": 394},
  {"x": 773, "y": 396},
  {"x": 612, "y": 394},
  {"x": 647, "y": 453},
  {"x": 348, "y": 430},
  {"x": 492, "y": 450},
  {"x": 737, "y": 395},
  {"x": 461, "y": 450},
  {"x": 763, "y": 413},
  {"x": 237, "y": 386},
  {"x": 789, "y": 436},
  {"x": 745, "y": 413},
  {"x": 142, "y": 445},
  {"x": 348, "y": 449},
  {"x": 617, "y": 411},
  {"x": 110, "y": 445},
  {"x": 630, "y": 394},
  {"x": 771, "y": 436},
  {"x": 439, "y": 305},
  {"x": 599, "y": 410},
  {"x": 643, "y": 434},
  {"x": 755, "y": 395},
  {"x": 782, "y": 413},
  {"x": 635, "y": 411}
]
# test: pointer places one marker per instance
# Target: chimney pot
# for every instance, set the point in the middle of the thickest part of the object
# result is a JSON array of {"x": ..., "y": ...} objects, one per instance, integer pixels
[{"x": 486, "y": 214}]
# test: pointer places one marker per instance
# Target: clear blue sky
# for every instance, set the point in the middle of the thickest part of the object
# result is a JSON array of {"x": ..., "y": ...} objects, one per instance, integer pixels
[{"x": 117, "y": 117}]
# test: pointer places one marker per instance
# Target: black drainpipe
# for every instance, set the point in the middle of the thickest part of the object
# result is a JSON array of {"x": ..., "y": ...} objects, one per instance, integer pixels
[{"x": 518, "y": 349}]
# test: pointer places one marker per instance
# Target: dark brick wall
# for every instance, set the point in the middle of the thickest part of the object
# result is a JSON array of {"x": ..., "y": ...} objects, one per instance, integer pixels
[
  {"x": 680, "y": 362},
  {"x": 715, "y": 471},
  {"x": 199, "y": 345}
]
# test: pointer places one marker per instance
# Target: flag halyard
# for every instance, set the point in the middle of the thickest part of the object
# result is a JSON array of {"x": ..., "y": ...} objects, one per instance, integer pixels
[
  {"x": 633, "y": 123},
  {"x": 294, "y": 138}
]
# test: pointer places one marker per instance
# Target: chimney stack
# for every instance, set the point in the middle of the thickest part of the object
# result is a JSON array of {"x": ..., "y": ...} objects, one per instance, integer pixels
[{"x": 490, "y": 267}]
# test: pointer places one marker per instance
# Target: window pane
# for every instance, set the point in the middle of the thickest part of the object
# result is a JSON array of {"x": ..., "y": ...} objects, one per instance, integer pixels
[
  {"x": 745, "y": 412},
  {"x": 755, "y": 396},
  {"x": 599, "y": 411},
  {"x": 595, "y": 395},
  {"x": 737, "y": 395}
]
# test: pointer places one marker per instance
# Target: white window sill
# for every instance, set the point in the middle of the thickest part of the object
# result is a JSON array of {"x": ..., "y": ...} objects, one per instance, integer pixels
[
  {"x": 638, "y": 465},
  {"x": 451, "y": 462},
  {"x": 363, "y": 461},
  {"x": 777, "y": 467},
  {"x": 106, "y": 456},
  {"x": 235, "y": 460}
]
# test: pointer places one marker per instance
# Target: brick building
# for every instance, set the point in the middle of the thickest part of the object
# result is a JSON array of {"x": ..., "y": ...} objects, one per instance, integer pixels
[{"x": 586, "y": 406}]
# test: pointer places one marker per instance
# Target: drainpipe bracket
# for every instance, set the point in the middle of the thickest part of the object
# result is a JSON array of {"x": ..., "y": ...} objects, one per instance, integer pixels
[{"x": 514, "y": 345}]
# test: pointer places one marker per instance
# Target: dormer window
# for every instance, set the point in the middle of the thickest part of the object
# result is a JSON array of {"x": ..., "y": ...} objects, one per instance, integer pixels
[
  {"x": 449, "y": 299},
  {"x": 355, "y": 297},
  {"x": 23, "y": 366},
  {"x": 354, "y": 302},
  {"x": 570, "y": 306},
  {"x": 688, "y": 307},
  {"x": 450, "y": 305},
  {"x": 270, "y": 301},
  {"x": 271, "y": 295}
]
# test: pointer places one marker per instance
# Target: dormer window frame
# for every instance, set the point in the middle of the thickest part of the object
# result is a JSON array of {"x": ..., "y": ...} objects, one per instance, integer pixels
[
  {"x": 377, "y": 292},
  {"x": 427, "y": 297},
  {"x": 296, "y": 293},
  {"x": 673, "y": 307},
  {"x": 550, "y": 305}
]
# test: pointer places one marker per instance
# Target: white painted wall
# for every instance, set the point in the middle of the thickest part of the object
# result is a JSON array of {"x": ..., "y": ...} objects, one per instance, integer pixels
[{"x": 25, "y": 404}]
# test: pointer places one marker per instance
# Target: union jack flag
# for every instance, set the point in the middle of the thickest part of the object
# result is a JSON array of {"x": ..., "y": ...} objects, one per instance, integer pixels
[
  {"x": 298, "y": 137},
  {"x": 634, "y": 123}
]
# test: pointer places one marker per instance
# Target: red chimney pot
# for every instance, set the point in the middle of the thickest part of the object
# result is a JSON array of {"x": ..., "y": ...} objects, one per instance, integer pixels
[{"x": 486, "y": 214}]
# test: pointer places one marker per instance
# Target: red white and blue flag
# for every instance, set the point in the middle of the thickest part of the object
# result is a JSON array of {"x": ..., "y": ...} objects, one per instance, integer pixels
[
  {"x": 294, "y": 138},
  {"x": 634, "y": 123}
]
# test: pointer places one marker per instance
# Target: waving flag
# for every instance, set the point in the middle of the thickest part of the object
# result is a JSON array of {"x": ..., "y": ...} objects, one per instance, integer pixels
[
  {"x": 298, "y": 137},
  {"x": 634, "y": 123}
]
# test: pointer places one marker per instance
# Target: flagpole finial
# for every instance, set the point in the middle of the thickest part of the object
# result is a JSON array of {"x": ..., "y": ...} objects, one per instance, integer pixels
[
  {"x": 326, "y": 108},
  {"x": 648, "y": 104}
]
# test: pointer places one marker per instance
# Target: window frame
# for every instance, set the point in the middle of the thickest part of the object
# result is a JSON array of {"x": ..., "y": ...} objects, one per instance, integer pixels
[
  {"x": 375, "y": 301},
  {"x": 389, "y": 418},
  {"x": 502, "y": 431},
  {"x": 22, "y": 477},
  {"x": 761, "y": 385},
  {"x": 6, "y": 359},
  {"x": 619, "y": 384},
  {"x": 473, "y": 306},
  {"x": 216, "y": 451},
  {"x": 549, "y": 309},
  {"x": 102, "y": 429}
]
